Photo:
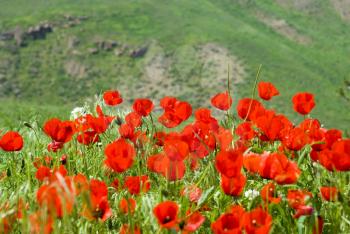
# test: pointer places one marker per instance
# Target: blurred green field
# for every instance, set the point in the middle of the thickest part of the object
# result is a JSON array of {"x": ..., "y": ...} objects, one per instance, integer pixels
[{"x": 316, "y": 61}]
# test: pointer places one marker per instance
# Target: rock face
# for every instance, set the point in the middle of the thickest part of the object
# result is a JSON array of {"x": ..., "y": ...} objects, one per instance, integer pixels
[
  {"x": 139, "y": 52},
  {"x": 106, "y": 45},
  {"x": 39, "y": 31},
  {"x": 20, "y": 36},
  {"x": 6, "y": 36}
]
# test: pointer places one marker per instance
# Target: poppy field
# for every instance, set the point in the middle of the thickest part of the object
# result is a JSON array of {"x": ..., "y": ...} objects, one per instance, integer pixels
[{"x": 185, "y": 171}]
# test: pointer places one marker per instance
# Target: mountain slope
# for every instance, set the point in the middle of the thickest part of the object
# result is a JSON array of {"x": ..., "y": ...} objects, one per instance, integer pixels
[{"x": 154, "y": 48}]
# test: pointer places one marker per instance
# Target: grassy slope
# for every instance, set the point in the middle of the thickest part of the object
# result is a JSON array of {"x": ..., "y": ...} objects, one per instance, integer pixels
[{"x": 319, "y": 67}]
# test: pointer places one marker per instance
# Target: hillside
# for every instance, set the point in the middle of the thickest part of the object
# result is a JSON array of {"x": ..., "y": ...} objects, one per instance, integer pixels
[{"x": 59, "y": 53}]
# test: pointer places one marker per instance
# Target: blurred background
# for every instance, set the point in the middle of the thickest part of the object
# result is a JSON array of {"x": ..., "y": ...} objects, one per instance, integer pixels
[{"x": 56, "y": 55}]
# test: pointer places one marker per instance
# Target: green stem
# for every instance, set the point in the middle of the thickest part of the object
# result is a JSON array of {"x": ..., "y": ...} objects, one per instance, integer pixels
[{"x": 254, "y": 89}]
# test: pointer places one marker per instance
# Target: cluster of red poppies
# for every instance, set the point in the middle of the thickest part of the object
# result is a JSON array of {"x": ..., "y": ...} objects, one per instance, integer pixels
[{"x": 175, "y": 153}]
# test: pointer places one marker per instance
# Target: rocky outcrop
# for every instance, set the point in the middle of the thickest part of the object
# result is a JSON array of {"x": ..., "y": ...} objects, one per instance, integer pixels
[
  {"x": 106, "y": 45},
  {"x": 139, "y": 52},
  {"x": 39, "y": 31}
]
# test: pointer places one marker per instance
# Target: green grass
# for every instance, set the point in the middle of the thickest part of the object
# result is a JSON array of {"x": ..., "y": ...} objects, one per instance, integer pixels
[
  {"x": 18, "y": 182},
  {"x": 320, "y": 67}
]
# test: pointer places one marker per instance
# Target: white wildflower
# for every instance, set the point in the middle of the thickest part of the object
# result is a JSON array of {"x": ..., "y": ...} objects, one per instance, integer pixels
[
  {"x": 251, "y": 194},
  {"x": 78, "y": 112}
]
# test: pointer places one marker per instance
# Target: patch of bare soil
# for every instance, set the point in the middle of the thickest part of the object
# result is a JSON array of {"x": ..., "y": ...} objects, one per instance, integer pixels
[
  {"x": 75, "y": 69},
  {"x": 205, "y": 71},
  {"x": 216, "y": 60},
  {"x": 301, "y": 5},
  {"x": 156, "y": 81},
  {"x": 343, "y": 8},
  {"x": 283, "y": 28}
]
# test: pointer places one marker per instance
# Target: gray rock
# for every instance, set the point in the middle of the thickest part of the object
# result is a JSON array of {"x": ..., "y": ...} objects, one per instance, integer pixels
[
  {"x": 139, "y": 52},
  {"x": 106, "y": 45},
  {"x": 39, "y": 31},
  {"x": 6, "y": 36}
]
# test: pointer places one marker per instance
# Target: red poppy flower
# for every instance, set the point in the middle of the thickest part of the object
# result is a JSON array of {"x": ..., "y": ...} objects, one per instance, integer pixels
[
  {"x": 331, "y": 136},
  {"x": 168, "y": 102},
  {"x": 126, "y": 229},
  {"x": 200, "y": 138},
  {"x": 100, "y": 211},
  {"x": 229, "y": 163},
  {"x": 303, "y": 103},
  {"x": 227, "y": 223},
  {"x": 175, "y": 112},
  {"x": 267, "y": 90},
  {"x": 270, "y": 124},
  {"x": 156, "y": 162},
  {"x": 295, "y": 139},
  {"x": 176, "y": 150},
  {"x": 224, "y": 138},
  {"x": 277, "y": 166},
  {"x": 160, "y": 138},
  {"x": 99, "y": 124},
  {"x": 257, "y": 221},
  {"x": 81, "y": 183},
  {"x": 298, "y": 198},
  {"x": 166, "y": 214},
  {"x": 249, "y": 109},
  {"x": 309, "y": 124},
  {"x": 115, "y": 184},
  {"x": 136, "y": 184},
  {"x": 192, "y": 192},
  {"x": 133, "y": 119},
  {"x": 120, "y": 155},
  {"x": 302, "y": 211},
  {"x": 126, "y": 131},
  {"x": 56, "y": 199},
  {"x": 329, "y": 193},
  {"x": 245, "y": 131},
  {"x": 251, "y": 162},
  {"x": 222, "y": 101},
  {"x": 88, "y": 137},
  {"x": 11, "y": 141},
  {"x": 192, "y": 222},
  {"x": 203, "y": 115},
  {"x": 112, "y": 98},
  {"x": 59, "y": 131},
  {"x": 326, "y": 158},
  {"x": 143, "y": 106},
  {"x": 99, "y": 206},
  {"x": 267, "y": 193},
  {"x": 174, "y": 170},
  {"x": 127, "y": 205},
  {"x": 341, "y": 155},
  {"x": 54, "y": 146},
  {"x": 233, "y": 186},
  {"x": 40, "y": 223},
  {"x": 98, "y": 190},
  {"x": 42, "y": 173}
]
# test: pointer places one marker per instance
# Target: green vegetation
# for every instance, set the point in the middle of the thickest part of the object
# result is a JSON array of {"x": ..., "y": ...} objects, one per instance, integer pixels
[{"x": 309, "y": 54}]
